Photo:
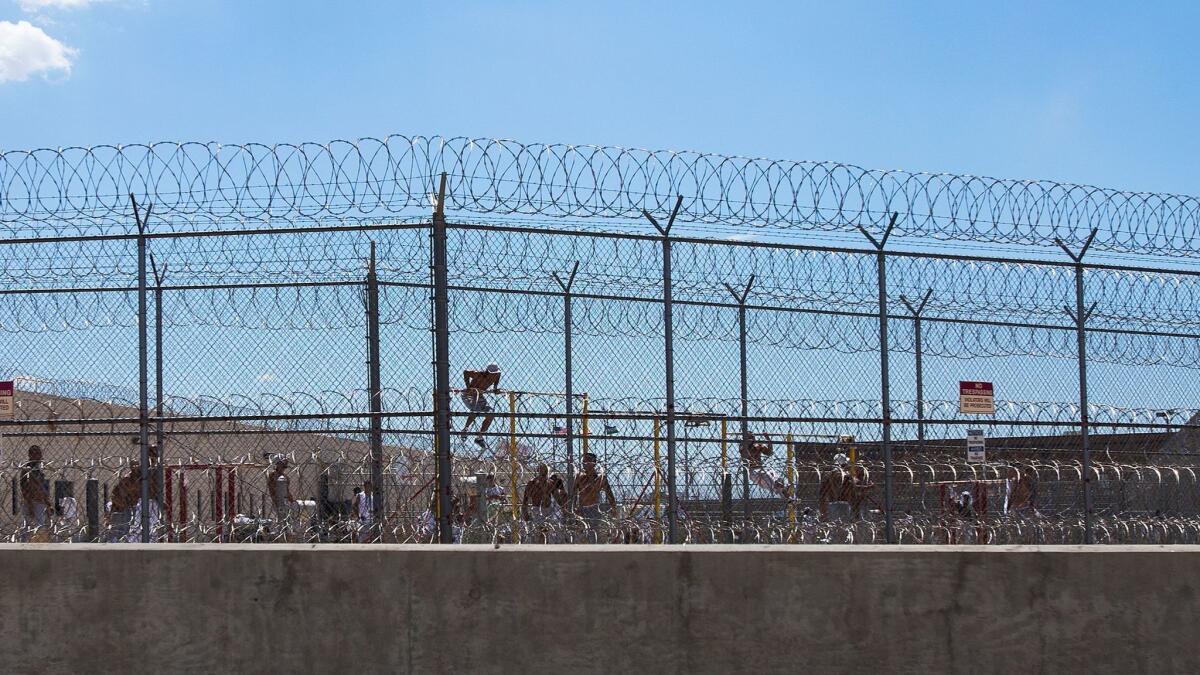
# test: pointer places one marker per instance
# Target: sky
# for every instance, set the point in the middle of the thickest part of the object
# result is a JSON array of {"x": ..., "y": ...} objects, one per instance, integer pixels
[
  {"x": 1102, "y": 94},
  {"x": 1097, "y": 93}
]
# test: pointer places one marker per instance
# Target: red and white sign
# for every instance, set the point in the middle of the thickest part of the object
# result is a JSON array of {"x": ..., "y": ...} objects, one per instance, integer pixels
[
  {"x": 976, "y": 398},
  {"x": 6, "y": 400}
]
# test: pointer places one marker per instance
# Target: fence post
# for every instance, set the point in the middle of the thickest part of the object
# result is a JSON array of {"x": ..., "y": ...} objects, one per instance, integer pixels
[
  {"x": 441, "y": 361},
  {"x": 669, "y": 343},
  {"x": 885, "y": 389},
  {"x": 159, "y": 435},
  {"x": 143, "y": 374},
  {"x": 568, "y": 374},
  {"x": 917, "y": 350},
  {"x": 1080, "y": 316},
  {"x": 375, "y": 391},
  {"x": 92, "y": 506},
  {"x": 744, "y": 381}
]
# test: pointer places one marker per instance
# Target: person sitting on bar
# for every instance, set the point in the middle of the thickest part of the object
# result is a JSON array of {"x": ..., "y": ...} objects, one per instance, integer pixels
[{"x": 475, "y": 383}]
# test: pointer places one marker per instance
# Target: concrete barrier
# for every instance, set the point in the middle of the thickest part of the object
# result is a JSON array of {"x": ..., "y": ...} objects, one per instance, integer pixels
[{"x": 611, "y": 609}]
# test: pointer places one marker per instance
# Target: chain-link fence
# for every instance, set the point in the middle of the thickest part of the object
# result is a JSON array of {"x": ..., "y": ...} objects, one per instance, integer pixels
[{"x": 419, "y": 340}]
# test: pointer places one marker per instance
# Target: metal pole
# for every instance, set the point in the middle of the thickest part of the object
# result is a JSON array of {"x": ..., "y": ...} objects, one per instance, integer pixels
[
  {"x": 568, "y": 372},
  {"x": 143, "y": 373},
  {"x": 159, "y": 435},
  {"x": 918, "y": 349},
  {"x": 92, "y": 498},
  {"x": 884, "y": 386},
  {"x": 669, "y": 353},
  {"x": 375, "y": 386},
  {"x": 441, "y": 360},
  {"x": 743, "y": 378},
  {"x": 1081, "y": 315},
  {"x": 745, "y": 468},
  {"x": 1081, "y": 337}
]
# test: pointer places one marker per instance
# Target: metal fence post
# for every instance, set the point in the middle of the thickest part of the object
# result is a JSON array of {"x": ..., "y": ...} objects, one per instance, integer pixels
[
  {"x": 744, "y": 381},
  {"x": 1080, "y": 316},
  {"x": 143, "y": 372},
  {"x": 92, "y": 508},
  {"x": 159, "y": 434},
  {"x": 568, "y": 374},
  {"x": 669, "y": 344},
  {"x": 441, "y": 360},
  {"x": 885, "y": 389},
  {"x": 917, "y": 349},
  {"x": 375, "y": 390}
]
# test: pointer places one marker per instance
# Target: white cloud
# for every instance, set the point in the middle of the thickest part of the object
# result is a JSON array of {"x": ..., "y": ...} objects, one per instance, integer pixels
[
  {"x": 38, "y": 5},
  {"x": 266, "y": 377},
  {"x": 26, "y": 50}
]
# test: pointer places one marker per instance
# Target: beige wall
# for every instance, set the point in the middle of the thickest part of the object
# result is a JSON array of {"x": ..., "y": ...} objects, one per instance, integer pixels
[{"x": 611, "y": 609}]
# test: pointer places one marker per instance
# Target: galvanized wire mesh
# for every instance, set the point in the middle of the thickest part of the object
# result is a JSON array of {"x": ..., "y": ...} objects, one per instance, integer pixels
[{"x": 273, "y": 272}]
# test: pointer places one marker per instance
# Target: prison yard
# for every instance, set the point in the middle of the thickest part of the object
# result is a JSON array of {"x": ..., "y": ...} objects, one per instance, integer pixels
[
  {"x": 457, "y": 347},
  {"x": 218, "y": 488}
]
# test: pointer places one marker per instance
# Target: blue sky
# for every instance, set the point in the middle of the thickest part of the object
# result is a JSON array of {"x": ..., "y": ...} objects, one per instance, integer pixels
[{"x": 1101, "y": 93}]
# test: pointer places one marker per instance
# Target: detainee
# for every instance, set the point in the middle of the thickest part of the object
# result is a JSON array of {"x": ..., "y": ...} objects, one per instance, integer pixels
[
  {"x": 123, "y": 502},
  {"x": 589, "y": 484},
  {"x": 35, "y": 493},
  {"x": 752, "y": 451},
  {"x": 427, "y": 524},
  {"x": 279, "y": 487},
  {"x": 364, "y": 508},
  {"x": 476, "y": 383},
  {"x": 844, "y": 483},
  {"x": 544, "y": 496}
]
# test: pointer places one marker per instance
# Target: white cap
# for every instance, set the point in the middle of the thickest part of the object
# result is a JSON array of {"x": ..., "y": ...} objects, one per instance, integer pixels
[
  {"x": 841, "y": 459},
  {"x": 493, "y": 368}
]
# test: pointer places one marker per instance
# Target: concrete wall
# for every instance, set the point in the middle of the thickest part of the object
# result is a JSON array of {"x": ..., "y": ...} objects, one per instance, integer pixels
[{"x": 426, "y": 609}]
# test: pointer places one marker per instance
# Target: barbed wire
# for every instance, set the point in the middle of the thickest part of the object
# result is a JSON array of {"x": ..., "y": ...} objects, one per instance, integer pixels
[
  {"x": 785, "y": 278},
  {"x": 225, "y": 499},
  {"x": 63, "y": 401},
  {"x": 49, "y": 192},
  {"x": 339, "y": 308}
]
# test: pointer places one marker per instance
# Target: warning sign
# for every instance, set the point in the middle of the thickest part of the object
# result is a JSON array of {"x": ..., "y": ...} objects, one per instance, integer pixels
[
  {"x": 976, "y": 454},
  {"x": 976, "y": 398},
  {"x": 6, "y": 400}
]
